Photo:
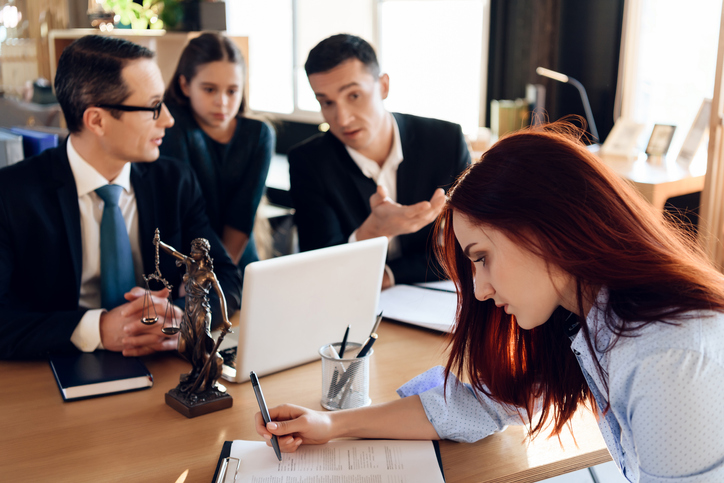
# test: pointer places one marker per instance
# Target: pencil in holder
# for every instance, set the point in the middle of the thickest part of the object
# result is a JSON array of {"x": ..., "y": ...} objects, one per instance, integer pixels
[{"x": 345, "y": 381}]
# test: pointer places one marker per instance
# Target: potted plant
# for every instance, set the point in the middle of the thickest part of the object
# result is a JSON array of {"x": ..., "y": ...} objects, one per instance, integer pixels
[{"x": 137, "y": 16}]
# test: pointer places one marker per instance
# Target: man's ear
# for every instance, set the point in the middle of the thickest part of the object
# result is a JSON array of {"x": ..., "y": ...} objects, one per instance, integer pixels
[
  {"x": 94, "y": 119},
  {"x": 384, "y": 85},
  {"x": 184, "y": 85}
]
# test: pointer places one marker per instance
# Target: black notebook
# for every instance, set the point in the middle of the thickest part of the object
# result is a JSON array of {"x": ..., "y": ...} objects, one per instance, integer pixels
[{"x": 89, "y": 374}]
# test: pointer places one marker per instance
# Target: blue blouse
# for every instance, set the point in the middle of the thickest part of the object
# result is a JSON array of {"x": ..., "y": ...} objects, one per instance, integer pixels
[
  {"x": 666, "y": 386},
  {"x": 232, "y": 176}
]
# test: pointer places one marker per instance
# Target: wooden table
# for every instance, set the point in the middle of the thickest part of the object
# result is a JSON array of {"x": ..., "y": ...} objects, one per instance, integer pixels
[
  {"x": 661, "y": 180},
  {"x": 136, "y": 437}
]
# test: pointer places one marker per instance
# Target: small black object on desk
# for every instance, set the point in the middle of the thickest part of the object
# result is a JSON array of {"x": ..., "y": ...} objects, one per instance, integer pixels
[{"x": 343, "y": 346}]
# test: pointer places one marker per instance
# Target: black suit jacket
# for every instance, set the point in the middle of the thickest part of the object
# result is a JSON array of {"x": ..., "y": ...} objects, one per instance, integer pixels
[
  {"x": 331, "y": 194},
  {"x": 41, "y": 247}
]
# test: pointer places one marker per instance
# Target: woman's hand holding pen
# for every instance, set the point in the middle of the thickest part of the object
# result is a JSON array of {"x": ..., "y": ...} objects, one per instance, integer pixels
[{"x": 294, "y": 425}]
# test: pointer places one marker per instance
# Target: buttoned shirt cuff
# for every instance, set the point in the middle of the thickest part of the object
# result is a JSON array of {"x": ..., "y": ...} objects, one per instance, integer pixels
[
  {"x": 353, "y": 237},
  {"x": 390, "y": 275},
  {"x": 87, "y": 334}
]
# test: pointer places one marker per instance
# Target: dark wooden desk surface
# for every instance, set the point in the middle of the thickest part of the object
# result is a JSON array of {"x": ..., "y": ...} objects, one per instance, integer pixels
[{"x": 136, "y": 437}]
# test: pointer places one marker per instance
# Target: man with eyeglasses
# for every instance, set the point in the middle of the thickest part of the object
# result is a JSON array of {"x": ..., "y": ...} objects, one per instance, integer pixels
[{"x": 94, "y": 202}]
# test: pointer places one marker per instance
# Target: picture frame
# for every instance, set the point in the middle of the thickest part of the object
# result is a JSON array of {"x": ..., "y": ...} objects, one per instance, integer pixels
[
  {"x": 660, "y": 139},
  {"x": 622, "y": 140},
  {"x": 699, "y": 128}
]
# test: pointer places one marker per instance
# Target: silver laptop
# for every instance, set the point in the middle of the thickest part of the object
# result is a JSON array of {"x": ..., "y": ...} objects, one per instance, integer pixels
[{"x": 294, "y": 304}]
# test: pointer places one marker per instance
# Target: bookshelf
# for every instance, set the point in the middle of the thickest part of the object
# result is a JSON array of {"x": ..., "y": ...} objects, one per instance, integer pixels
[{"x": 167, "y": 46}]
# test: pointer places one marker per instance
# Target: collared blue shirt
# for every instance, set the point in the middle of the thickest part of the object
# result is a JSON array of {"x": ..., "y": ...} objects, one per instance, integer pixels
[{"x": 666, "y": 387}]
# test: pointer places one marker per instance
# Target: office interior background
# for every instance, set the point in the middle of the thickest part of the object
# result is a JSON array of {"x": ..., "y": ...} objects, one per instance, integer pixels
[{"x": 649, "y": 61}]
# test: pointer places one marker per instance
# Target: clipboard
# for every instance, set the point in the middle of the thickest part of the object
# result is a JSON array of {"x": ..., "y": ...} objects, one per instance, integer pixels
[{"x": 228, "y": 466}]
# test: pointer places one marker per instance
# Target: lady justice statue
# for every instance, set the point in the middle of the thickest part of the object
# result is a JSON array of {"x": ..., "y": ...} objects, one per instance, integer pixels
[{"x": 198, "y": 391}]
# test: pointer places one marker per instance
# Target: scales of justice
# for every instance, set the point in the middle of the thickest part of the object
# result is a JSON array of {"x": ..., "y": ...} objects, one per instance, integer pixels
[{"x": 198, "y": 391}]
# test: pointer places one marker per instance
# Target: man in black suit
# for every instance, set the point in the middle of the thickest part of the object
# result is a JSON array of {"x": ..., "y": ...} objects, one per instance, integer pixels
[
  {"x": 111, "y": 93},
  {"x": 374, "y": 173}
]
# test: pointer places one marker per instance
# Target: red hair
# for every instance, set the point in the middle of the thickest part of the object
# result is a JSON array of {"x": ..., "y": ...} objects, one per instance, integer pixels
[{"x": 545, "y": 191}]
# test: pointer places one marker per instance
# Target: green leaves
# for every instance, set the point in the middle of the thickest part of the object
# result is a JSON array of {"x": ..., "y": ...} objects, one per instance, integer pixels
[{"x": 138, "y": 16}]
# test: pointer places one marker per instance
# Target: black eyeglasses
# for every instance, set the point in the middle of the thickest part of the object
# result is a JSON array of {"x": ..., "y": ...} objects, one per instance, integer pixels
[{"x": 121, "y": 107}]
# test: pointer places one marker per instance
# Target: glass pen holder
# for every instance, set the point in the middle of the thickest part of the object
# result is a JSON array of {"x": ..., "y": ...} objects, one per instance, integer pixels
[{"x": 345, "y": 381}]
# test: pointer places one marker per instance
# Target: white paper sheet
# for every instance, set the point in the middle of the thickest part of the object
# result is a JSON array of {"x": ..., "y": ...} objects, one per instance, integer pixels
[
  {"x": 426, "y": 307},
  {"x": 344, "y": 461}
]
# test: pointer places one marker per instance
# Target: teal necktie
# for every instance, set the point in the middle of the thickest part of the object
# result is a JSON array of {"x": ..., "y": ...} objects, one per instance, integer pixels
[{"x": 117, "y": 276}]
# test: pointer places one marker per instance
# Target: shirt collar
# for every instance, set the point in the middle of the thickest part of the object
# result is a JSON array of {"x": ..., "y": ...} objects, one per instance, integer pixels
[
  {"x": 88, "y": 179},
  {"x": 598, "y": 330},
  {"x": 369, "y": 167}
]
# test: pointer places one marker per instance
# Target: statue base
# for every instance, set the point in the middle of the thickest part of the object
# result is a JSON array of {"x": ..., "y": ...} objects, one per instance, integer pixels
[{"x": 192, "y": 405}]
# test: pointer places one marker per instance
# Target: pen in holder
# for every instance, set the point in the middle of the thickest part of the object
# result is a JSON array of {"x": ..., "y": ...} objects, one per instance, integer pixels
[{"x": 345, "y": 381}]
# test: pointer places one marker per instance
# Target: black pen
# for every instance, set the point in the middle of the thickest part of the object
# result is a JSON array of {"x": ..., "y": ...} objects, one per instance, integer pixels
[
  {"x": 367, "y": 345},
  {"x": 264, "y": 411},
  {"x": 343, "y": 346}
]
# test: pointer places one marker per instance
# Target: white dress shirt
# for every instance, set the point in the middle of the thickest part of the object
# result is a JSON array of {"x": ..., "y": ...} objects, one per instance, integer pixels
[
  {"x": 86, "y": 336},
  {"x": 665, "y": 386},
  {"x": 386, "y": 176}
]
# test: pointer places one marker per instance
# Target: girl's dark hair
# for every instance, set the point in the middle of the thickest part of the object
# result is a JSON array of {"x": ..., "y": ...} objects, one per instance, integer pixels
[
  {"x": 545, "y": 191},
  {"x": 207, "y": 47}
]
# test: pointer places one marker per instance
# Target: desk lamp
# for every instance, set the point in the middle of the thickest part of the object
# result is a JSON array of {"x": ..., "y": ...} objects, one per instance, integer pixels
[{"x": 584, "y": 97}]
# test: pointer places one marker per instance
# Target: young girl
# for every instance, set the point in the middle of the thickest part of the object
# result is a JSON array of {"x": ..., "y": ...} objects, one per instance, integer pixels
[
  {"x": 230, "y": 153},
  {"x": 572, "y": 291}
]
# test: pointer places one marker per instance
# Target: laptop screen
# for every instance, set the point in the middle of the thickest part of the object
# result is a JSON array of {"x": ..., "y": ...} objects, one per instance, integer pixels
[{"x": 293, "y": 305}]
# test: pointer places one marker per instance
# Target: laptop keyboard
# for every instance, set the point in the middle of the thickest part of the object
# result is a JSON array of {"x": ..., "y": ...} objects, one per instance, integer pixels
[{"x": 229, "y": 356}]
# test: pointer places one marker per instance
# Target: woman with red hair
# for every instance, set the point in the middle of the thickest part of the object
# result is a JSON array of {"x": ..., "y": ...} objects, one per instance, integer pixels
[{"x": 572, "y": 290}]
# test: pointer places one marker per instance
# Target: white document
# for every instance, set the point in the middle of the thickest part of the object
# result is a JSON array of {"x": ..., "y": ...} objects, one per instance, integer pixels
[
  {"x": 432, "y": 308},
  {"x": 344, "y": 461}
]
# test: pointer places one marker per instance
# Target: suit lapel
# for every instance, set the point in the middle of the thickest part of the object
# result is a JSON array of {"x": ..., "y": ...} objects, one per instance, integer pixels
[
  {"x": 145, "y": 207},
  {"x": 68, "y": 202},
  {"x": 405, "y": 173},
  {"x": 364, "y": 185}
]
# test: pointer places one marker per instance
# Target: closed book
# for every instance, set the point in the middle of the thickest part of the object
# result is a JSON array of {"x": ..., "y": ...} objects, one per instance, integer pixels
[{"x": 89, "y": 374}]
